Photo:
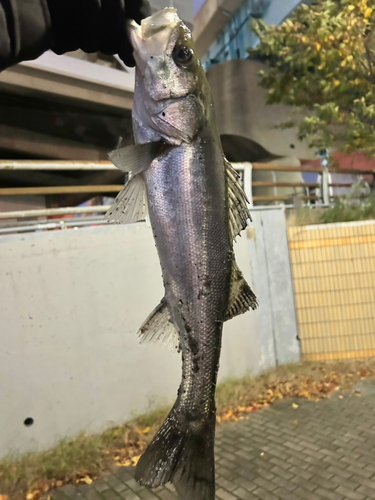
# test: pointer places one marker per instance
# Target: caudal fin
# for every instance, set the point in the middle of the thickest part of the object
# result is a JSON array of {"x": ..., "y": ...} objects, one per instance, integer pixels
[{"x": 181, "y": 452}]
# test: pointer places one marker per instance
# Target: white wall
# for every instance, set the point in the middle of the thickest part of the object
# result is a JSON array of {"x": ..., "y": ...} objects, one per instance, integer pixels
[{"x": 71, "y": 304}]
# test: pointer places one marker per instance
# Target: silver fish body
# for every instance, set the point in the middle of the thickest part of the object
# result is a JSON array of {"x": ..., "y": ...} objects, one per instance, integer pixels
[
  {"x": 196, "y": 207},
  {"x": 186, "y": 192}
]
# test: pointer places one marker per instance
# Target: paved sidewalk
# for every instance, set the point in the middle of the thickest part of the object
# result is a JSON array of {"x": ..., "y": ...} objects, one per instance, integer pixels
[{"x": 318, "y": 451}]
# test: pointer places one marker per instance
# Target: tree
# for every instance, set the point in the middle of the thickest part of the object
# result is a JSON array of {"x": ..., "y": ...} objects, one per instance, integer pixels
[{"x": 322, "y": 60}]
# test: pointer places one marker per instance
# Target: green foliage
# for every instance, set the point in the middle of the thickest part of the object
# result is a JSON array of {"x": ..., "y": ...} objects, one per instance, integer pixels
[
  {"x": 323, "y": 59},
  {"x": 343, "y": 212}
]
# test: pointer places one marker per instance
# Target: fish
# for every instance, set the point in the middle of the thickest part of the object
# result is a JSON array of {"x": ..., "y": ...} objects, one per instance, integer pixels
[{"x": 181, "y": 181}]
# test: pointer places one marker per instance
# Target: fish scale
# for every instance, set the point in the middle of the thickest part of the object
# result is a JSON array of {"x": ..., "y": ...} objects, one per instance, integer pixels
[
  {"x": 194, "y": 245},
  {"x": 196, "y": 207}
]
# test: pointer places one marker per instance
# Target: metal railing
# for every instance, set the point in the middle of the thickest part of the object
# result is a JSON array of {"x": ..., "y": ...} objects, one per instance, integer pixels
[{"x": 246, "y": 168}]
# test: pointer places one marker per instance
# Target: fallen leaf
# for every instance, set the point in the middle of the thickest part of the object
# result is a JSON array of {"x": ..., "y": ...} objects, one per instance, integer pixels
[
  {"x": 32, "y": 495},
  {"x": 295, "y": 421},
  {"x": 341, "y": 397},
  {"x": 368, "y": 12},
  {"x": 295, "y": 406},
  {"x": 4, "y": 497},
  {"x": 59, "y": 483},
  {"x": 262, "y": 454},
  {"x": 145, "y": 431}
]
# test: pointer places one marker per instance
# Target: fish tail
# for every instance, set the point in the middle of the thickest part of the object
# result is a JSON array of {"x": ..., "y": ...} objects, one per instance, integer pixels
[{"x": 182, "y": 452}]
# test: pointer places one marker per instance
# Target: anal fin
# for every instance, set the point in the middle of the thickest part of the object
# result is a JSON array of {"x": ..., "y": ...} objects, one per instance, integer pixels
[
  {"x": 241, "y": 296},
  {"x": 158, "y": 328}
]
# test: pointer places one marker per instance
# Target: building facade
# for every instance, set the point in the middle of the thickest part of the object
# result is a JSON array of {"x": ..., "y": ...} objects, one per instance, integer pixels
[{"x": 222, "y": 26}]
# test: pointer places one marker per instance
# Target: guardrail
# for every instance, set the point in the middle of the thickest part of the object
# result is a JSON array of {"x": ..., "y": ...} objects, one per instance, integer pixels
[{"x": 57, "y": 166}]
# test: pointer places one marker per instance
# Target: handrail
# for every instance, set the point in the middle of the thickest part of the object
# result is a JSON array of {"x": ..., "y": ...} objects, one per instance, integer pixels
[
  {"x": 48, "y": 212},
  {"x": 106, "y": 188},
  {"x": 106, "y": 165}
]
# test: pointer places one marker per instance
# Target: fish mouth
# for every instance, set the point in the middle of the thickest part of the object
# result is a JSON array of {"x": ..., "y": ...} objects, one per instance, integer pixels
[{"x": 151, "y": 37}]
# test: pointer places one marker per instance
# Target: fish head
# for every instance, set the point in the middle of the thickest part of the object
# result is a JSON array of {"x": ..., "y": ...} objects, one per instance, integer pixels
[{"x": 171, "y": 94}]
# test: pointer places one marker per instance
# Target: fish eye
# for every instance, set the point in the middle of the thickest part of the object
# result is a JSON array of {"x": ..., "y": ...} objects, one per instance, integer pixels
[{"x": 182, "y": 55}]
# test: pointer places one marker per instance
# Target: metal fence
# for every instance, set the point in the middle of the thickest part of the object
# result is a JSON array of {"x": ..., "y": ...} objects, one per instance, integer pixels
[
  {"x": 333, "y": 268},
  {"x": 313, "y": 192}
]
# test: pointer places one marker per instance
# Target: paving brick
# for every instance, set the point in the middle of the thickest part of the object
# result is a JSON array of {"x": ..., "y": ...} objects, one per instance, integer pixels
[
  {"x": 287, "y": 495},
  {"x": 224, "y": 495},
  {"x": 116, "y": 484},
  {"x": 100, "y": 485},
  {"x": 360, "y": 471},
  {"x": 110, "y": 495},
  {"x": 351, "y": 483},
  {"x": 266, "y": 474},
  {"x": 123, "y": 474},
  {"x": 133, "y": 485},
  {"x": 344, "y": 473},
  {"x": 306, "y": 494},
  {"x": 347, "y": 493},
  {"x": 288, "y": 485},
  {"x": 328, "y": 495},
  {"x": 328, "y": 455},
  {"x": 226, "y": 484},
  {"x": 280, "y": 463},
  {"x": 369, "y": 492},
  {"x": 59, "y": 495},
  {"x": 301, "y": 472},
  {"x": 93, "y": 495},
  {"x": 265, "y": 495},
  {"x": 165, "y": 494},
  {"x": 227, "y": 463},
  {"x": 370, "y": 483},
  {"x": 318, "y": 471},
  {"x": 147, "y": 495},
  {"x": 282, "y": 472},
  {"x": 245, "y": 483},
  {"x": 298, "y": 462},
  {"x": 130, "y": 495},
  {"x": 243, "y": 494},
  {"x": 264, "y": 483}
]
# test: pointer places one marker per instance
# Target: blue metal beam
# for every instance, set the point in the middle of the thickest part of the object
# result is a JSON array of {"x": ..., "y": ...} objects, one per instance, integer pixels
[{"x": 236, "y": 37}]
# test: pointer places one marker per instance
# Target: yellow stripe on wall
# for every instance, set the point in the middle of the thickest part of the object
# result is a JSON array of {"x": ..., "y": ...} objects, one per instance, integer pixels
[{"x": 351, "y": 240}]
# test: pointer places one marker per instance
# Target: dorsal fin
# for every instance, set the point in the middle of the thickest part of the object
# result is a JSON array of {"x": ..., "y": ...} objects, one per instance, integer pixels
[{"x": 237, "y": 202}]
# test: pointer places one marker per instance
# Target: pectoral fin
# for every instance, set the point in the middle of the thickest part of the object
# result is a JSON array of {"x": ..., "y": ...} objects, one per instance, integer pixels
[
  {"x": 130, "y": 204},
  {"x": 237, "y": 200},
  {"x": 137, "y": 158},
  {"x": 158, "y": 328},
  {"x": 241, "y": 296}
]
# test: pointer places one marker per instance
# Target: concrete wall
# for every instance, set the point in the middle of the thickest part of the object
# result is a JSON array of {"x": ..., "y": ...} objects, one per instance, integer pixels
[{"x": 72, "y": 301}]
